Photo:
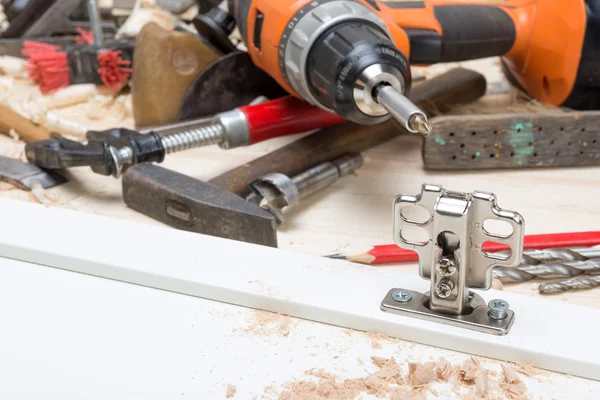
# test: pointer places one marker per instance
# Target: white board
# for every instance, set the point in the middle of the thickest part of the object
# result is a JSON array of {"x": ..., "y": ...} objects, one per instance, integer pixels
[{"x": 549, "y": 335}]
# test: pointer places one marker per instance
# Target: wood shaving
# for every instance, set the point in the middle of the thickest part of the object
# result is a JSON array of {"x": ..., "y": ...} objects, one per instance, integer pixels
[
  {"x": 103, "y": 106},
  {"x": 470, "y": 369},
  {"x": 4, "y": 24},
  {"x": 13, "y": 134},
  {"x": 377, "y": 338},
  {"x": 421, "y": 374},
  {"x": 13, "y": 66},
  {"x": 481, "y": 383},
  {"x": 97, "y": 106},
  {"x": 516, "y": 391},
  {"x": 469, "y": 396},
  {"x": 444, "y": 369},
  {"x": 60, "y": 125},
  {"x": 389, "y": 371},
  {"x": 385, "y": 381},
  {"x": 528, "y": 370},
  {"x": 510, "y": 374},
  {"x": 268, "y": 323},
  {"x": 144, "y": 13},
  {"x": 512, "y": 385},
  {"x": 471, "y": 372},
  {"x": 380, "y": 362},
  {"x": 72, "y": 95},
  {"x": 231, "y": 390}
]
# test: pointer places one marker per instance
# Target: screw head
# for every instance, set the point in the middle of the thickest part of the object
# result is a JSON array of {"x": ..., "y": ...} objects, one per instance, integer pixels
[
  {"x": 446, "y": 267},
  {"x": 401, "y": 296},
  {"x": 498, "y": 309},
  {"x": 444, "y": 289}
]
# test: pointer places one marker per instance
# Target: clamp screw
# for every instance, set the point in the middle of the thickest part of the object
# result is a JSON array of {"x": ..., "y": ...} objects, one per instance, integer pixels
[
  {"x": 446, "y": 267},
  {"x": 498, "y": 309},
  {"x": 444, "y": 288},
  {"x": 401, "y": 297}
]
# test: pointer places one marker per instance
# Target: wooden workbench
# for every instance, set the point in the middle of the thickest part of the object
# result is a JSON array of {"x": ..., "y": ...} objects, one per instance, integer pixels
[{"x": 352, "y": 215}]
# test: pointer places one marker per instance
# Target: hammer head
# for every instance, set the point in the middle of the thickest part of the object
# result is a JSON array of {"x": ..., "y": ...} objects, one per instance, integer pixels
[{"x": 189, "y": 204}]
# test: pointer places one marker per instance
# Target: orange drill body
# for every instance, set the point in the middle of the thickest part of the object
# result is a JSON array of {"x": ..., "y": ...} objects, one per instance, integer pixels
[
  {"x": 541, "y": 41},
  {"x": 545, "y": 56}
]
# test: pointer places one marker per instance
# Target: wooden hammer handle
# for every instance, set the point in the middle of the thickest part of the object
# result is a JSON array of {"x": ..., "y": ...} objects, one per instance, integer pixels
[
  {"x": 456, "y": 87},
  {"x": 27, "y": 130}
]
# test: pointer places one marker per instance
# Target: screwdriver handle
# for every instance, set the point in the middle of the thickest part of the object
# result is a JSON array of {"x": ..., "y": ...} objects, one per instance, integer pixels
[{"x": 285, "y": 116}]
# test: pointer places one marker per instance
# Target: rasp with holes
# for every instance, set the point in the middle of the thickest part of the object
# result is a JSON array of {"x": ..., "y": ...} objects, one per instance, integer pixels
[{"x": 513, "y": 141}]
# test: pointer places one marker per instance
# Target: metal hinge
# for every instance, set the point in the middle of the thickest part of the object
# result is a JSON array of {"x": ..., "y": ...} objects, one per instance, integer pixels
[{"x": 451, "y": 257}]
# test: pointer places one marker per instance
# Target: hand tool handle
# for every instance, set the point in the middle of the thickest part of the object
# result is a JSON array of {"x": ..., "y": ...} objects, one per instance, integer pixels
[
  {"x": 286, "y": 116},
  {"x": 547, "y": 44},
  {"x": 444, "y": 31},
  {"x": 27, "y": 130},
  {"x": 458, "y": 86}
]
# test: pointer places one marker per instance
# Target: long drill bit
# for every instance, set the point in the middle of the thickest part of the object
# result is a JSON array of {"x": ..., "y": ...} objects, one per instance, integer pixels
[
  {"x": 579, "y": 283},
  {"x": 551, "y": 264}
]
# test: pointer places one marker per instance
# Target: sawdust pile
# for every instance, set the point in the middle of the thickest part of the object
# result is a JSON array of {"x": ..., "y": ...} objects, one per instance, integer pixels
[
  {"x": 469, "y": 381},
  {"x": 377, "y": 339},
  {"x": 271, "y": 324},
  {"x": 231, "y": 391}
]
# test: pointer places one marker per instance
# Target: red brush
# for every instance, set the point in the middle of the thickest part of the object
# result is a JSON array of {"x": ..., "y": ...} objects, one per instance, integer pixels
[{"x": 53, "y": 68}]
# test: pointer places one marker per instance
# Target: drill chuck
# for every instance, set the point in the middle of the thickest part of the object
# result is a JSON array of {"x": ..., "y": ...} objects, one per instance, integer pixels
[{"x": 334, "y": 54}]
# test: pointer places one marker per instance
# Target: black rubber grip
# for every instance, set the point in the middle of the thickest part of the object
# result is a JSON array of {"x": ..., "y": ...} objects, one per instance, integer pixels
[
  {"x": 585, "y": 94},
  {"x": 471, "y": 32}
]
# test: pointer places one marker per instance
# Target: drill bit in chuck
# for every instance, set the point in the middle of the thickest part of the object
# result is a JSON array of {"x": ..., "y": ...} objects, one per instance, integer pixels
[
  {"x": 403, "y": 110},
  {"x": 275, "y": 192},
  {"x": 579, "y": 283}
]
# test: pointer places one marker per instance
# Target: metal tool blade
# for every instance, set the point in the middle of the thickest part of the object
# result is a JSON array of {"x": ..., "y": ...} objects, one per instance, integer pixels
[
  {"x": 26, "y": 176},
  {"x": 231, "y": 81},
  {"x": 189, "y": 204}
]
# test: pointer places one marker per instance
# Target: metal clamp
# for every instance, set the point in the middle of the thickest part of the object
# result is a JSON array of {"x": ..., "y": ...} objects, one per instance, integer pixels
[{"x": 448, "y": 229}]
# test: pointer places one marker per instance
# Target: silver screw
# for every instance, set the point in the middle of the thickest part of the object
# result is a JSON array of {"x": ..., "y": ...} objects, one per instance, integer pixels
[
  {"x": 444, "y": 289},
  {"x": 401, "y": 296},
  {"x": 446, "y": 267},
  {"x": 498, "y": 309}
]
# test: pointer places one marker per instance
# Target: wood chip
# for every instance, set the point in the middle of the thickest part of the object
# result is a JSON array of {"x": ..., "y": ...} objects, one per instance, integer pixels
[
  {"x": 231, "y": 391},
  {"x": 528, "y": 370},
  {"x": 470, "y": 369},
  {"x": 404, "y": 393},
  {"x": 444, "y": 369},
  {"x": 380, "y": 362},
  {"x": 388, "y": 372},
  {"x": 510, "y": 374},
  {"x": 516, "y": 391},
  {"x": 512, "y": 385},
  {"x": 481, "y": 383},
  {"x": 421, "y": 374}
]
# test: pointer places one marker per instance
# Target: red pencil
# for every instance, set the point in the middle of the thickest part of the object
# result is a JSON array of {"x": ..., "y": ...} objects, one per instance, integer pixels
[{"x": 390, "y": 253}]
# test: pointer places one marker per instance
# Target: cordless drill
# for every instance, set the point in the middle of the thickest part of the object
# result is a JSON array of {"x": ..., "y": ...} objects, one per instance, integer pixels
[{"x": 352, "y": 57}]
